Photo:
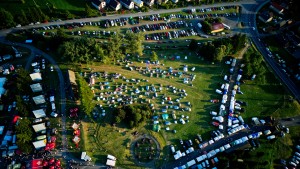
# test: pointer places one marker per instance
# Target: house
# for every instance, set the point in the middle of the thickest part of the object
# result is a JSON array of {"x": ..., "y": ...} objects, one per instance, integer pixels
[
  {"x": 266, "y": 16},
  {"x": 276, "y": 8},
  {"x": 99, "y": 4},
  {"x": 217, "y": 27},
  {"x": 115, "y": 5},
  {"x": 127, "y": 4},
  {"x": 138, "y": 3},
  {"x": 149, "y": 2}
]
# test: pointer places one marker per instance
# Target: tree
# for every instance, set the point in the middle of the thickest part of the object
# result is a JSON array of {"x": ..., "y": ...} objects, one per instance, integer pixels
[
  {"x": 22, "y": 18},
  {"x": 218, "y": 54},
  {"x": 206, "y": 27},
  {"x": 86, "y": 96},
  {"x": 239, "y": 41},
  {"x": 24, "y": 135},
  {"x": 193, "y": 45},
  {"x": 134, "y": 43},
  {"x": 7, "y": 20},
  {"x": 114, "y": 48},
  {"x": 88, "y": 11},
  {"x": 154, "y": 56}
]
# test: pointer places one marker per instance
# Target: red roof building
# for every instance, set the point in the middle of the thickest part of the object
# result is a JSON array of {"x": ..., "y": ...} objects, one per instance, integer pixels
[{"x": 217, "y": 27}]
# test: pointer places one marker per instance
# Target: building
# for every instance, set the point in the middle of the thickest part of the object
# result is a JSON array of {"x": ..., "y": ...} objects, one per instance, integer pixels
[
  {"x": 266, "y": 16},
  {"x": 149, "y": 2},
  {"x": 127, "y": 4},
  {"x": 115, "y": 5},
  {"x": 277, "y": 8},
  {"x": 138, "y": 3},
  {"x": 217, "y": 27},
  {"x": 99, "y": 4}
]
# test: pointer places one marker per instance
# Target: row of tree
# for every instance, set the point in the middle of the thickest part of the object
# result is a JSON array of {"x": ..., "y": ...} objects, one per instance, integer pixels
[
  {"x": 32, "y": 15},
  {"x": 254, "y": 64},
  {"x": 216, "y": 50},
  {"x": 86, "y": 96},
  {"x": 24, "y": 135},
  {"x": 132, "y": 115},
  {"x": 84, "y": 50}
]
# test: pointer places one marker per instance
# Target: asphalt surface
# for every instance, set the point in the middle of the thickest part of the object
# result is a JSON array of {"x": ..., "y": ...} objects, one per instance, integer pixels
[{"x": 248, "y": 16}]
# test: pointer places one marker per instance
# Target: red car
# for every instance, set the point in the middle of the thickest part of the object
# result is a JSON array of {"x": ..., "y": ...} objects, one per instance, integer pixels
[{"x": 215, "y": 124}]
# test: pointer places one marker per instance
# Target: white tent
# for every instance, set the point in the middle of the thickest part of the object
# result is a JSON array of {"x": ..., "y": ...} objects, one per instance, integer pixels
[
  {"x": 39, "y": 99},
  {"x": 39, "y": 127},
  {"x": 2, "y": 82},
  {"x": 36, "y": 87},
  {"x": 75, "y": 126},
  {"x": 110, "y": 162},
  {"x": 39, "y": 144},
  {"x": 39, "y": 113},
  {"x": 36, "y": 76},
  {"x": 52, "y": 99},
  {"x": 1, "y": 129},
  {"x": 83, "y": 154}
]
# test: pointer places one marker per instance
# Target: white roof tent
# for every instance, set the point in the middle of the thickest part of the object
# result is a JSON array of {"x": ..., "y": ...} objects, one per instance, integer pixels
[
  {"x": 36, "y": 87},
  {"x": 2, "y": 82},
  {"x": 39, "y": 113},
  {"x": 36, "y": 76},
  {"x": 39, "y": 99},
  {"x": 39, "y": 144},
  {"x": 110, "y": 162},
  {"x": 39, "y": 127}
]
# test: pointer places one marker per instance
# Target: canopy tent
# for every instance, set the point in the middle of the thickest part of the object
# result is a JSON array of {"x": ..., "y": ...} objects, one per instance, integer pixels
[
  {"x": 39, "y": 144},
  {"x": 2, "y": 82},
  {"x": 36, "y": 76},
  {"x": 36, "y": 87},
  {"x": 76, "y": 132},
  {"x": 75, "y": 126},
  {"x": 39, "y": 127},
  {"x": 39, "y": 99},
  {"x": 50, "y": 146},
  {"x": 165, "y": 116},
  {"x": 39, "y": 113},
  {"x": 37, "y": 163},
  {"x": 110, "y": 162},
  {"x": 76, "y": 139},
  {"x": 52, "y": 99},
  {"x": 156, "y": 127}
]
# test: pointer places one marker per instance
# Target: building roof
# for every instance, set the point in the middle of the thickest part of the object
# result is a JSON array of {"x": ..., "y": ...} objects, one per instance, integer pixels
[
  {"x": 114, "y": 3},
  {"x": 277, "y": 6},
  {"x": 217, "y": 26},
  {"x": 127, "y": 2},
  {"x": 72, "y": 77}
]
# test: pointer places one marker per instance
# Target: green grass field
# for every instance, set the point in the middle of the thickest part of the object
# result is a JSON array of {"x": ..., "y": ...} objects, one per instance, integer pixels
[
  {"x": 47, "y": 6},
  {"x": 263, "y": 100}
]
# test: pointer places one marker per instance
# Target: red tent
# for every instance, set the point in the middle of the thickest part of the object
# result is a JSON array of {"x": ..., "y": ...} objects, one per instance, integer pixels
[
  {"x": 77, "y": 132},
  {"x": 57, "y": 163},
  {"x": 37, "y": 163},
  {"x": 51, "y": 161},
  {"x": 53, "y": 139},
  {"x": 45, "y": 163},
  {"x": 51, "y": 167},
  {"x": 16, "y": 118}
]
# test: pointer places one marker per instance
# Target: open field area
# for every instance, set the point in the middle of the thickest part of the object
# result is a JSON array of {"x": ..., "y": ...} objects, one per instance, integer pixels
[{"x": 263, "y": 100}]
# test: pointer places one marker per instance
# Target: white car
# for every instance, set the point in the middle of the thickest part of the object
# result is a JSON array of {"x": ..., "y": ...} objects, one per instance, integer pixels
[
  {"x": 51, "y": 68},
  {"x": 9, "y": 108}
]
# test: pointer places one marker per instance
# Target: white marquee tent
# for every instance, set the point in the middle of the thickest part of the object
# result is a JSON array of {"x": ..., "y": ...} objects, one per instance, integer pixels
[
  {"x": 36, "y": 87},
  {"x": 39, "y": 113},
  {"x": 39, "y": 99},
  {"x": 39, "y": 127},
  {"x": 36, "y": 76}
]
